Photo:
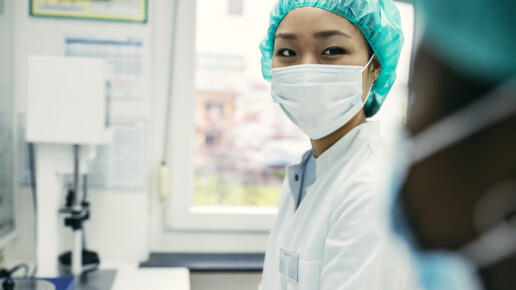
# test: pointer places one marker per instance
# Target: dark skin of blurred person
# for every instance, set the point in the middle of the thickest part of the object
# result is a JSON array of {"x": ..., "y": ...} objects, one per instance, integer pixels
[
  {"x": 454, "y": 175},
  {"x": 444, "y": 192}
]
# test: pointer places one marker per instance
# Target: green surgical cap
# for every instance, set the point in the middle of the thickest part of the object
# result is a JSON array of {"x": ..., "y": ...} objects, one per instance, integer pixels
[
  {"x": 379, "y": 21},
  {"x": 477, "y": 37}
]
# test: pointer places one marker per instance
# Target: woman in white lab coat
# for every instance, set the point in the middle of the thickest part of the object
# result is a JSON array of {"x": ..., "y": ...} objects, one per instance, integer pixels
[{"x": 331, "y": 64}]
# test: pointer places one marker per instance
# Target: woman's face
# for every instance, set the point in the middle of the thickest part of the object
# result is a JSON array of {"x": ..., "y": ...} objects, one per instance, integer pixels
[{"x": 310, "y": 35}]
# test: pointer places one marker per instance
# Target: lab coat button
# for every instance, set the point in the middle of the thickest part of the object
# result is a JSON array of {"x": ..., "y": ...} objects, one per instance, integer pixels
[{"x": 296, "y": 177}]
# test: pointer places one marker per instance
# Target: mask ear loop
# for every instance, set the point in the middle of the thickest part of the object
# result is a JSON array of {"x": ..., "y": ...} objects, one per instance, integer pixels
[
  {"x": 490, "y": 109},
  {"x": 500, "y": 241},
  {"x": 368, "y": 63},
  {"x": 370, "y": 88},
  {"x": 368, "y": 95}
]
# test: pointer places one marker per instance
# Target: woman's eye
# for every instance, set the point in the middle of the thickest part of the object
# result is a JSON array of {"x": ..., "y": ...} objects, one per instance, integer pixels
[
  {"x": 334, "y": 51},
  {"x": 286, "y": 52}
]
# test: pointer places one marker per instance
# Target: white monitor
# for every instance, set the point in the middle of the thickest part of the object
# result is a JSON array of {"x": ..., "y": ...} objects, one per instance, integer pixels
[{"x": 66, "y": 100}]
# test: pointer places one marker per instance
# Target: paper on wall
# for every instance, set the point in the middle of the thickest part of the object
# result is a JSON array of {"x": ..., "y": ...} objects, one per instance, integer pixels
[
  {"x": 119, "y": 165},
  {"x": 127, "y": 57}
]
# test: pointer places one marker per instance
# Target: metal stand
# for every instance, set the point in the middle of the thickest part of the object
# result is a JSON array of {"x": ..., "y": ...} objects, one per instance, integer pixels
[{"x": 79, "y": 261}]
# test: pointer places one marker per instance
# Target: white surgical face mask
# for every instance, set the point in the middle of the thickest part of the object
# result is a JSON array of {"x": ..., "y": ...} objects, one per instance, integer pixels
[
  {"x": 319, "y": 99},
  {"x": 458, "y": 269}
]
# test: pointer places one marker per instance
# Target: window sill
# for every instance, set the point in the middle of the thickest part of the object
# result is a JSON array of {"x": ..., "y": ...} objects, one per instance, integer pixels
[{"x": 208, "y": 262}]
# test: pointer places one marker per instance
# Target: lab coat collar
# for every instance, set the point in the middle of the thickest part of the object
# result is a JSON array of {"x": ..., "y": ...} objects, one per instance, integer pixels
[
  {"x": 340, "y": 152},
  {"x": 294, "y": 173},
  {"x": 347, "y": 146}
]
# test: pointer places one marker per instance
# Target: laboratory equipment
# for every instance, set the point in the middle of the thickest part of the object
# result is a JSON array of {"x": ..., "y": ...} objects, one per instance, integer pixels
[{"x": 67, "y": 116}]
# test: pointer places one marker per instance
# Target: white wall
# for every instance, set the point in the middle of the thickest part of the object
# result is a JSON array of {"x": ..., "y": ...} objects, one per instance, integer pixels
[
  {"x": 125, "y": 225},
  {"x": 118, "y": 228},
  {"x": 6, "y": 54},
  {"x": 6, "y": 119}
]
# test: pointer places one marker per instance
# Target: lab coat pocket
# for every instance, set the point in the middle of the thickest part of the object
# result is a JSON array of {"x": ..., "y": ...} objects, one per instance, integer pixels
[{"x": 309, "y": 275}]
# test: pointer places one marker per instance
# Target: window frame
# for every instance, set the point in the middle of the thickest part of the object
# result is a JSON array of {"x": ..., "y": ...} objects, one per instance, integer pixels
[{"x": 181, "y": 213}]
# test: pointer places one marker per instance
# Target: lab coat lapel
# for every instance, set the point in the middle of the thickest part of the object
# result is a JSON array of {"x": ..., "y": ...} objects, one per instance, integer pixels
[{"x": 294, "y": 173}]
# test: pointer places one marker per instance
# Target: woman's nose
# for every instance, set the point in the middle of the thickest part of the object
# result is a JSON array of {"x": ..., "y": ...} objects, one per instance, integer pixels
[{"x": 309, "y": 59}]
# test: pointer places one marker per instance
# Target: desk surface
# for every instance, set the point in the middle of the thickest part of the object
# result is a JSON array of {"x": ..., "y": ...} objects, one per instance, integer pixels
[{"x": 130, "y": 276}]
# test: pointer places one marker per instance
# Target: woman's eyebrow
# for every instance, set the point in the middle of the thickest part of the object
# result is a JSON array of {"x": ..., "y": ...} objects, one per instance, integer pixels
[
  {"x": 328, "y": 33},
  {"x": 286, "y": 36}
]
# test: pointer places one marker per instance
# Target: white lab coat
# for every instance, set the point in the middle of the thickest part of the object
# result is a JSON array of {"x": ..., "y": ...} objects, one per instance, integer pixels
[{"x": 338, "y": 238}]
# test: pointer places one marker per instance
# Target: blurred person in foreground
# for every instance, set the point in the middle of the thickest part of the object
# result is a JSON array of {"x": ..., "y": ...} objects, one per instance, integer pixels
[{"x": 456, "y": 205}]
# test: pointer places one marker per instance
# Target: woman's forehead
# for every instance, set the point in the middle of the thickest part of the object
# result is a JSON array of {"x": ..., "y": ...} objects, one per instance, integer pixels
[{"x": 305, "y": 20}]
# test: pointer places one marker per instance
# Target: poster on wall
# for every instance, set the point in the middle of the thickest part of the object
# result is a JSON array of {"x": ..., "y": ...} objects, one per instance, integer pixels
[
  {"x": 113, "y": 10},
  {"x": 126, "y": 56},
  {"x": 118, "y": 165}
]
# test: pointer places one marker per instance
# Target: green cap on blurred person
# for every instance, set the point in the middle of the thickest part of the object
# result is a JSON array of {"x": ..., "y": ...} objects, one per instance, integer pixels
[{"x": 477, "y": 37}]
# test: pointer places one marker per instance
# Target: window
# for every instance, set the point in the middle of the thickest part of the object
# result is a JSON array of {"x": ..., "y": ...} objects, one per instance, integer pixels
[{"x": 241, "y": 142}]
